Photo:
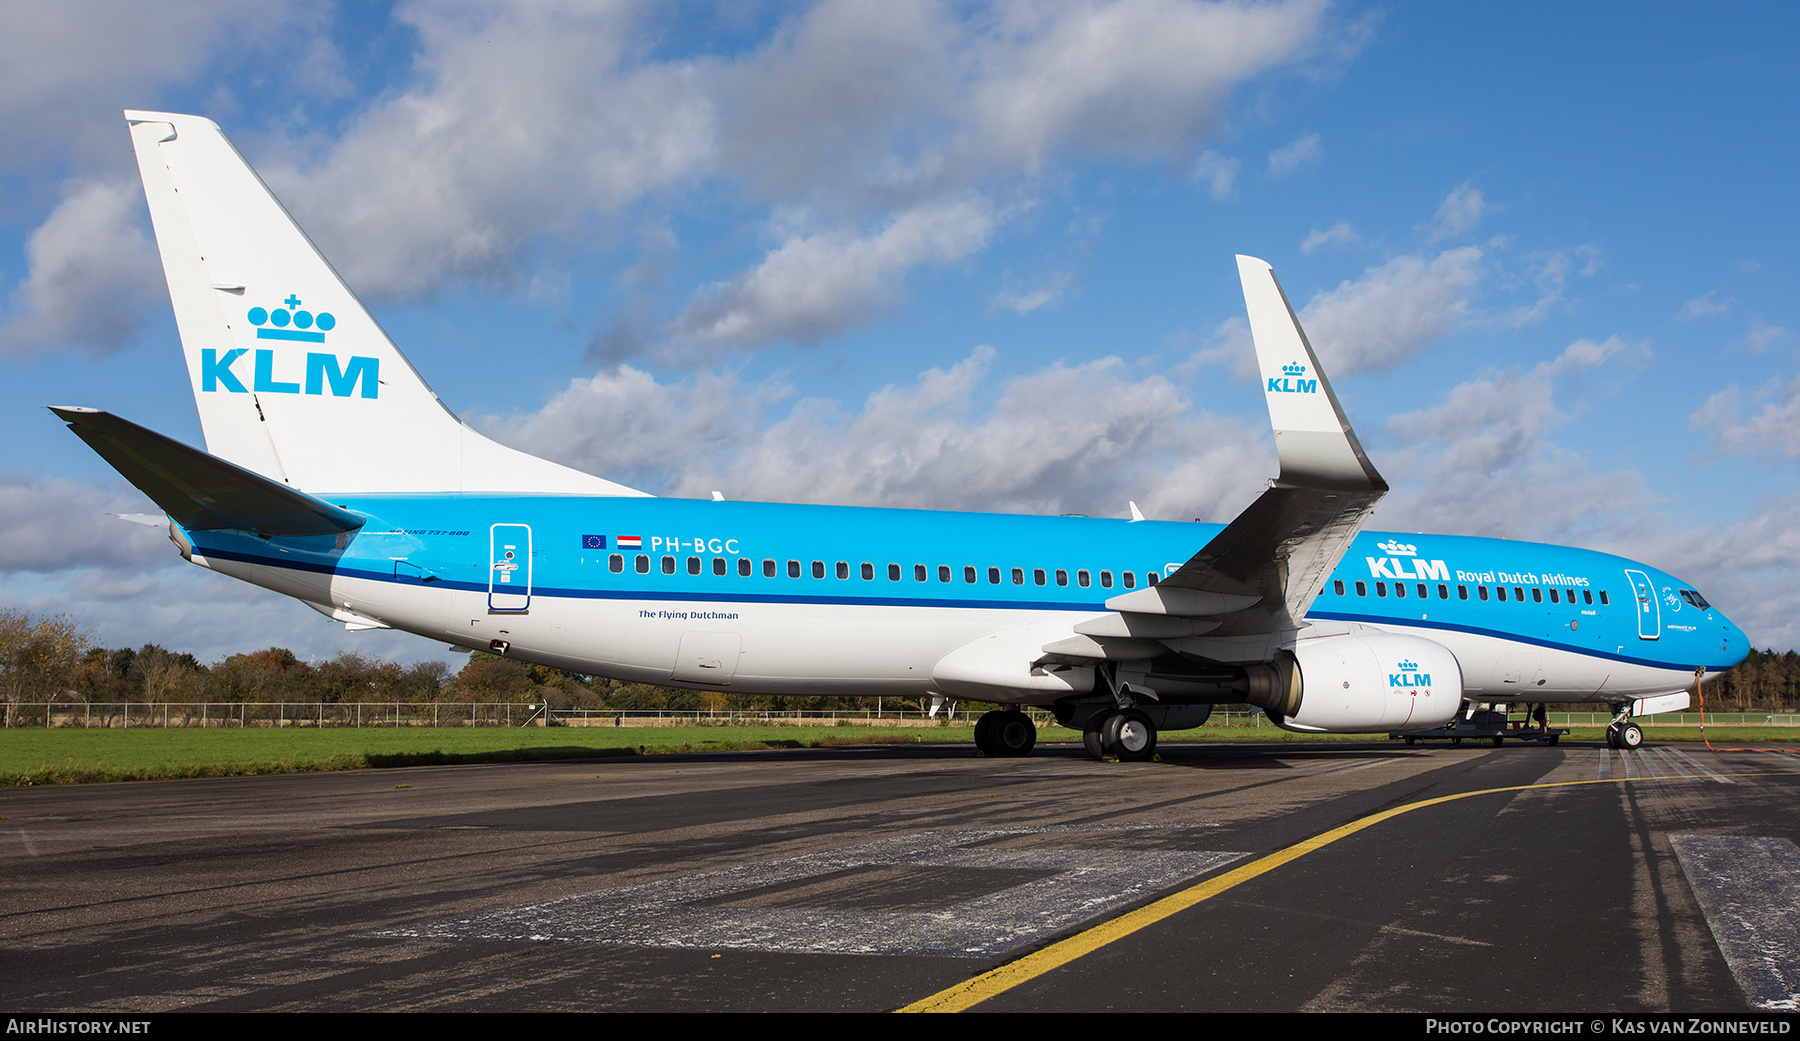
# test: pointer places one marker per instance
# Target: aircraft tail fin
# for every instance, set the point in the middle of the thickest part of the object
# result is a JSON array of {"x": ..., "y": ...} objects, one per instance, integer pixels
[
  {"x": 293, "y": 377},
  {"x": 202, "y": 492}
]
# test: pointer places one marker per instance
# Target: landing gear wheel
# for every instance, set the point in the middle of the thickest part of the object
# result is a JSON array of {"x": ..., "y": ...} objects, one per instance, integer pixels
[
  {"x": 1090, "y": 740},
  {"x": 1612, "y": 736},
  {"x": 1498, "y": 740},
  {"x": 1554, "y": 738},
  {"x": 1410, "y": 739},
  {"x": 1631, "y": 736},
  {"x": 1011, "y": 735},
  {"x": 1455, "y": 741},
  {"x": 1128, "y": 736},
  {"x": 984, "y": 733}
]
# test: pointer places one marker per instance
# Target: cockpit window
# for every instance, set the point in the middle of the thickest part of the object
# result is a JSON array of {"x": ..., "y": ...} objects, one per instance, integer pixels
[{"x": 1695, "y": 598}]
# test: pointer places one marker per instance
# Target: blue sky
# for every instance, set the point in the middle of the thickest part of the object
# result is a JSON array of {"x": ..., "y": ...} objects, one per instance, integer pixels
[{"x": 962, "y": 257}]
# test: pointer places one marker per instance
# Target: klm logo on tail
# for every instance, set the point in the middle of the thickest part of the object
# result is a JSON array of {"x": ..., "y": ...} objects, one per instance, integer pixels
[
  {"x": 1291, "y": 381},
  {"x": 322, "y": 370}
]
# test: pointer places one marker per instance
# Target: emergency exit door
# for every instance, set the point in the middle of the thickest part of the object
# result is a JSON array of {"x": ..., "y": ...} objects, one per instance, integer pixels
[{"x": 509, "y": 567}]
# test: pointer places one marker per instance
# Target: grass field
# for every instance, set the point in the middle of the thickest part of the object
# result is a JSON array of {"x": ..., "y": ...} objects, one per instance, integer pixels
[{"x": 70, "y": 756}]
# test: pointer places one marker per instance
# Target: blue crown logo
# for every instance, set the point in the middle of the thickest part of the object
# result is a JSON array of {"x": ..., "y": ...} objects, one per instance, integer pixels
[
  {"x": 1408, "y": 666},
  {"x": 307, "y": 327},
  {"x": 1293, "y": 368}
]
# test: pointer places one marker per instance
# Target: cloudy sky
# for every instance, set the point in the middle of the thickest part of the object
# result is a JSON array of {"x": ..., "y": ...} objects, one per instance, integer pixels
[{"x": 960, "y": 257}]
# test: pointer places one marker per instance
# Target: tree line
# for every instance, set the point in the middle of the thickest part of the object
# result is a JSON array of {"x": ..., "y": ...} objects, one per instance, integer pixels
[{"x": 42, "y": 657}]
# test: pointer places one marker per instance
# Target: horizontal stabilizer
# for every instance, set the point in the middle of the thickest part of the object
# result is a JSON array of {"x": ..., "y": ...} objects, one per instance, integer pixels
[{"x": 203, "y": 492}]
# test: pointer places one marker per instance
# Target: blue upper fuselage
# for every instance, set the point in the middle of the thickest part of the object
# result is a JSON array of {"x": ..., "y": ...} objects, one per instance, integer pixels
[{"x": 699, "y": 551}]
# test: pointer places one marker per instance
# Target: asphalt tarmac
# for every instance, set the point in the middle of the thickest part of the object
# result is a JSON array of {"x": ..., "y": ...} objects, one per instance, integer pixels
[{"x": 1577, "y": 878}]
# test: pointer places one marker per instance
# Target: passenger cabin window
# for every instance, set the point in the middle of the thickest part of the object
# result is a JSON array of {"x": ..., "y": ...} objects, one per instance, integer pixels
[
  {"x": 1337, "y": 586},
  {"x": 918, "y": 573},
  {"x": 868, "y": 571},
  {"x": 744, "y": 566},
  {"x": 1423, "y": 592},
  {"x": 693, "y": 565},
  {"x": 643, "y": 564},
  {"x": 1400, "y": 589},
  {"x": 1129, "y": 578},
  {"x": 1519, "y": 593},
  {"x": 768, "y": 568},
  {"x": 1062, "y": 577},
  {"x": 1604, "y": 599},
  {"x": 615, "y": 563},
  {"x": 1554, "y": 597},
  {"x": 1500, "y": 591},
  {"x": 793, "y": 569},
  {"x": 1362, "y": 588},
  {"x": 818, "y": 569},
  {"x": 1444, "y": 592},
  {"x": 1018, "y": 576},
  {"x": 893, "y": 572},
  {"x": 668, "y": 565},
  {"x": 943, "y": 572},
  {"x": 1481, "y": 591},
  {"x": 1152, "y": 577},
  {"x": 1037, "y": 575},
  {"x": 1381, "y": 589},
  {"x": 843, "y": 569},
  {"x": 993, "y": 576},
  {"x": 969, "y": 574},
  {"x": 1462, "y": 592},
  {"x": 1537, "y": 595},
  {"x": 719, "y": 565},
  {"x": 1081, "y": 579},
  {"x": 1105, "y": 580},
  {"x": 1587, "y": 596}
]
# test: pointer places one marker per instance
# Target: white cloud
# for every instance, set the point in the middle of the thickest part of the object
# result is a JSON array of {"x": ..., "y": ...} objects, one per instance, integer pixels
[
  {"x": 1762, "y": 336},
  {"x": 1340, "y": 233},
  {"x": 92, "y": 275},
  {"x": 1392, "y": 311},
  {"x": 1289, "y": 158},
  {"x": 67, "y": 69},
  {"x": 1081, "y": 439},
  {"x": 48, "y": 524},
  {"x": 1460, "y": 211},
  {"x": 1483, "y": 461},
  {"x": 819, "y": 285},
  {"x": 1025, "y": 301},
  {"x": 1704, "y": 307},
  {"x": 1217, "y": 172},
  {"x": 1775, "y": 430}
]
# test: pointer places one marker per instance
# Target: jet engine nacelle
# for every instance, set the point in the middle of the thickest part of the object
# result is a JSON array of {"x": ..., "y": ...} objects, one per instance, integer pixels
[{"x": 1359, "y": 682}]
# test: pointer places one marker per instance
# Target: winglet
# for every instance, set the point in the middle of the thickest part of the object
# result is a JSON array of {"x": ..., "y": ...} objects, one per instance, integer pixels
[{"x": 1314, "y": 440}]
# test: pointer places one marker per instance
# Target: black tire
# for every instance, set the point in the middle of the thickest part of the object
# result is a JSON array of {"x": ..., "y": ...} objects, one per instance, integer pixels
[
  {"x": 1612, "y": 736},
  {"x": 984, "y": 730},
  {"x": 1498, "y": 740},
  {"x": 1129, "y": 736},
  {"x": 1553, "y": 739},
  {"x": 1631, "y": 736},
  {"x": 1410, "y": 739},
  {"x": 1455, "y": 741},
  {"x": 1090, "y": 740},
  {"x": 1012, "y": 735}
]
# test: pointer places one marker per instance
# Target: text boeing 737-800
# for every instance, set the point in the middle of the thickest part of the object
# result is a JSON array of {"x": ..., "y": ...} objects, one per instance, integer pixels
[{"x": 333, "y": 474}]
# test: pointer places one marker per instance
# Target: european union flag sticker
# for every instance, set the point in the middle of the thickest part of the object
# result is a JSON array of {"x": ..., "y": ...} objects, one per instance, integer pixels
[{"x": 593, "y": 542}]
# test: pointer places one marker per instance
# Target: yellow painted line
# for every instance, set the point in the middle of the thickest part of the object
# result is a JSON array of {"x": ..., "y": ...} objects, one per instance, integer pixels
[{"x": 997, "y": 981}]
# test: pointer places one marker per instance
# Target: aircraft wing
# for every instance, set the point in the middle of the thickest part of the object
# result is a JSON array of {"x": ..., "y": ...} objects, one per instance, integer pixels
[
  {"x": 1259, "y": 575},
  {"x": 203, "y": 492}
]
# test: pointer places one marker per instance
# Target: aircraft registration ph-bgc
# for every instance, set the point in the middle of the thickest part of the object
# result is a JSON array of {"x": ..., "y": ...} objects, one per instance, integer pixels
[{"x": 333, "y": 474}]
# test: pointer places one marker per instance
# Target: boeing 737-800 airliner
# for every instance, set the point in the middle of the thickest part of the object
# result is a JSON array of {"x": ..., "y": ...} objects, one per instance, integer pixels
[{"x": 333, "y": 474}]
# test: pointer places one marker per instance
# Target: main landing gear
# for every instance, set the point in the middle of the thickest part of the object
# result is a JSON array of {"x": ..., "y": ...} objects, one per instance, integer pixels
[
  {"x": 1127, "y": 735},
  {"x": 1005, "y": 734}
]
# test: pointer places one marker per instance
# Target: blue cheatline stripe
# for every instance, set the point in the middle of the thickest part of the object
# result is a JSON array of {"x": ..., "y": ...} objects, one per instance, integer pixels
[{"x": 1510, "y": 637}]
